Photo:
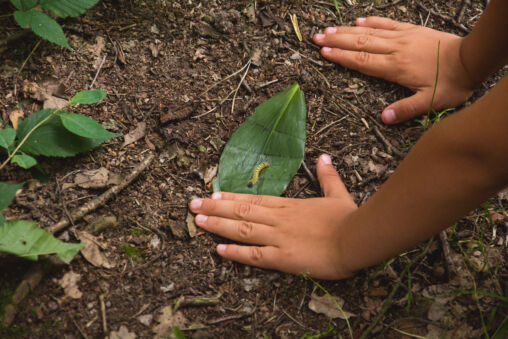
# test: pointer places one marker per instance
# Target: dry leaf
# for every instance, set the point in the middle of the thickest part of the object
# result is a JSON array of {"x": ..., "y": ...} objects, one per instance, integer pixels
[
  {"x": 99, "y": 45},
  {"x": 155, "y": 49},
  {"x": 136, "y": 134},
  {"x": 91, "y": 252},
  {"x": 210, "y": 173},
  {"x": 99, "y": 178},
  {"x": 326, "y": 306},
  {"x": 54, "y": 102},
  {"x": 123, "y": 333},
  {"x": 167, "y": 320},
  {"x": 69, "y": 284},
  {"x": 14, "y": 116},
  {"x": 191, "y": 226},
  {"x": 177, "y": 229}
]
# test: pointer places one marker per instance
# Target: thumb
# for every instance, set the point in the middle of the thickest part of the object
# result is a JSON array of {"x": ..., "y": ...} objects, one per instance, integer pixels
[
  {"x": 329, "y": 179},
  {"x": 407, "y": 108}
]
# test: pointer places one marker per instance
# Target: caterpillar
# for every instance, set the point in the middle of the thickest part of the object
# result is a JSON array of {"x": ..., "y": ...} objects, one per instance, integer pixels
[{"x": 257, "y": 171}]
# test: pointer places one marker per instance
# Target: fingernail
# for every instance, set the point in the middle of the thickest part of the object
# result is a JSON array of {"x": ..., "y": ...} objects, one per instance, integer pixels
[
  {"x": 221, "y": 248},
  {"x": 330, "y": 30},
  {"x": 326, "y": 49},
  {"x": 319, "y": 36},
  {"x": 201, "y": 219},
  {"x": 196, "y": 204},
  {"x": 360, "y": 20},
  {"x": 325, "y": 158},
  {"x": 389, "y": 116},
  {"x": 216, "y": 196}
]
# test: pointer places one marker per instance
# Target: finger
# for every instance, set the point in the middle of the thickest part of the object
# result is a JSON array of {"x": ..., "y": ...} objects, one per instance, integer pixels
[
  {"x": 355, "y": 42},
  {"x": 407, "y": 108},
  {"x": 264, "y": 257},
  {"x": 380, "y": 33},
  {"x": 237, "y": 230},
  {"x": 377, "y": 65},
  {"x": 260, "y": 200},
  {"x": 382, "y": 23},
  {"x": 237, "y": 210},
  {"x": 329, "y": 179}
]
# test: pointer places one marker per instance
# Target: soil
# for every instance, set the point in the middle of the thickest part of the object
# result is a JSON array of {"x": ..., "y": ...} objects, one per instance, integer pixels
[{"x": 162, "y": 62}]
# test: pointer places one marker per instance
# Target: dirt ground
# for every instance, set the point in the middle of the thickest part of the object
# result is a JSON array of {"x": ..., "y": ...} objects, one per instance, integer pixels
[{"x": 158, "y": 61}]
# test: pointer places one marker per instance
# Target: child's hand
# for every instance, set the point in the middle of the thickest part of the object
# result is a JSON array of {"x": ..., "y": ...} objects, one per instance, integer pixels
[
  {"x": 405, "y": 54},
  {"x": 294, "y": 235}
]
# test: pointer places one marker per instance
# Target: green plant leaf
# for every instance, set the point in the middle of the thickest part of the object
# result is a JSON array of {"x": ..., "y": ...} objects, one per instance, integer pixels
[
  {"x": 2, "y": 219},
  {"x": 23, "y": 5},
  {"x": 85, "y": 127},
  {"x": 25, "y": 239},
  {"x": 7, "y": 136},
  {"x": 88, "y": 97},
  {"x": 42, "y": 25},
  {"x": 178, "y": 333},
  {"x": 52, "y": 138},
  {"x": 24, "y": 161},
  {"x": 65, "y": 8},
  {"x": 7, "y": 193},
  {"x": 275, "y": 134}
]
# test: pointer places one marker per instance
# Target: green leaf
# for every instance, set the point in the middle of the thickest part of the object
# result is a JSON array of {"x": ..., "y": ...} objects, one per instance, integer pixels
[
  {"x": 85, "y": 126},
  {"x": 25, "y": 239},
  {"x": 23, "y": 5},
  {"x": 178, "y": 333},
  {"x": 275, "y": 134},
  {"x": 42, "y": 25},
  {"x": 2, "y": 219},
  {"x": 7, "y": 193},
  {"x": 88, "y": 97},
  {"x": 24, "y": 161},
  {"x": 65, "y": 8},
  {"x": 52, "y": 138},
  {"x": 7, "y": 136}
]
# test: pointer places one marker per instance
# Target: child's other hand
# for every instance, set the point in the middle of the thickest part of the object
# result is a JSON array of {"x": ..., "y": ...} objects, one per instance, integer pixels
[
  {"x": 293, "y": 235},
  {"x": 405, "y": 54}
]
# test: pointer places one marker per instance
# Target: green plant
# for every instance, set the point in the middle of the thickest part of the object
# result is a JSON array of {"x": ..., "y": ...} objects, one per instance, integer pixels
[
  {"x": 134, "y": 253},
  {"x": 336, "y": 4},
  {"x": 275, "y": 135},
  {"x": 50, "y": 132},
  {"x": 329, "y": 332},
  {"x": 30, "y": 15}
]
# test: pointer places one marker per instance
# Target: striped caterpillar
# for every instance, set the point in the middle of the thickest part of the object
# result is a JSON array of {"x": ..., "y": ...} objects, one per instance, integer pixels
[{"x": 257, "y": 171}]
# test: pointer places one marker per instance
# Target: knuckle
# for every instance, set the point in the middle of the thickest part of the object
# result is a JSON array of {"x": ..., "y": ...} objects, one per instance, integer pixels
[
  {"x": 244, "y": 229},
  {"x": 362, "y": 57},
  {"x": 362, "y": 41},
  {"x": 255, "y": 254},
  {"x": 242, "y": 210},
  {"x": 257, "y": 200}
]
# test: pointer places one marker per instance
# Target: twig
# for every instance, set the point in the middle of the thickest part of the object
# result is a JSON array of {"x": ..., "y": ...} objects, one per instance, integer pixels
[
  {"x": 268, "y": 83},
  {"x": 330, "y": 125},
  {"x": 450, "y": 266},
  {"x": 240, "y": 84},
  {"x": 292, "y": 318},
  {"x": 226, "y": 78},
  {"x": 389, "y": 147},
  {"x": 319, "y": 63},
  {"x": 393, "y": 3},
  {"x": 444, "y": 17},
  {"x": 103, "y": 313},
  {"x": 388, "y": 301},
  {"x": 207, "y": 112},
  {"x": 309, "y": 173},
  {"x": 98, "y": 71},
  {"x": 29, "y": 55},
  {"x": 100, "y": 200},
  {"x": 462, "y": 10},
  {"x": 184, "y": 301}
]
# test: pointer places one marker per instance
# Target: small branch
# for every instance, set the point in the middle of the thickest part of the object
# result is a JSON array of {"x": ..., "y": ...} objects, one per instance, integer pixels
[
  {"x": 450, "y": 266},
  {"x": 100, "y": 200},
  {"x": 240, "y": 84},
  {"x": 389, "y": 147},
  {"x": 309, "y": 173},
  {"x": 103, "y": 314},
  {"x": 98, "y": 71},
  {"x": 29, "y": 55},
  {"x": 444, "y": 18},
  {"x": 462, "y": 10}
]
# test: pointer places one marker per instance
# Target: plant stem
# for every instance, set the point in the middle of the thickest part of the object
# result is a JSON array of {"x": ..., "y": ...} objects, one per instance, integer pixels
[
  {"x": 28, "y": 135},
  {"x": 431, "y": 109},
  {"x": 338, "y": 10}
]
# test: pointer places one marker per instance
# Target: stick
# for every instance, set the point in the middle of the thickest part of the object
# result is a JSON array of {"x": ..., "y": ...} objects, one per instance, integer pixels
[
  {"x": 450, "y": 266},
  {"x": 98, "y": 71},
  {"x": 465, "y": 4},
  {"x": 445, "y": 18},
  {"x": 100, "y": 200},
  {"x": 103, "y": 313},
  {"x": 388, "y": 301},
  {"x": 240, "y": 84},
  {"x": 389, "y": 147}
]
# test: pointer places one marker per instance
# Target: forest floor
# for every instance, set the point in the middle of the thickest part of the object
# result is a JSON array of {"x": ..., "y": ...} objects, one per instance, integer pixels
[{"x": 156, "y": 60}]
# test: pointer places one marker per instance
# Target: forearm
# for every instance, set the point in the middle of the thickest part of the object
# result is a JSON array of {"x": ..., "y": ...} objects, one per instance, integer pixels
[
  {"x": 485, "y": 49},
  {"x": 454, "y": 167}
]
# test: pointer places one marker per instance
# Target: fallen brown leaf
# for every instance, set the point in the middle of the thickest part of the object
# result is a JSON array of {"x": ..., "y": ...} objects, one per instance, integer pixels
[
  {"x": 191, "y": 226},
  {"x": 167, "y": 319},
  {"x": 91, "y": 252},
  {"x": 14, "y": 116},
  {"x": 325, "y": 305},
  {"x": 136, "y": 134},
  {"x": 122, "y": 333},
  {"x": 98, "y": 178},
  {"x": 69, "y": 284}
]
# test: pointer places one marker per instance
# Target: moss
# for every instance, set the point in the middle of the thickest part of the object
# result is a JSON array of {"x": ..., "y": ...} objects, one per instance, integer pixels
[{"x": 134, "y": 253}]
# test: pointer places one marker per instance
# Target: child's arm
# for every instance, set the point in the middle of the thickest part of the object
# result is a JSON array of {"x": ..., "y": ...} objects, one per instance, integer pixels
[
  {"x": 406, "y": 54},
  {"x": 456, "y": 165}
]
